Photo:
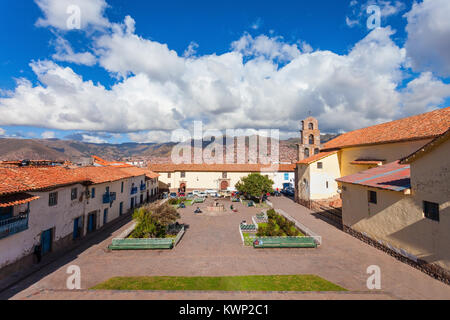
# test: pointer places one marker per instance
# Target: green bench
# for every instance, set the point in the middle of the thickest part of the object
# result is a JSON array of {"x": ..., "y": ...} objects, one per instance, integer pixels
[
  {"x": 248, "y": 227},
  {"x": 285, "y": 242},
  {"x": 141, "y": 244}
]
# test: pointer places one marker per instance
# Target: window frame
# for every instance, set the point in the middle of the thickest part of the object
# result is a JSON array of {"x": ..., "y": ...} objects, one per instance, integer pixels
[
  {"x": 370, "y": 199},
  {"x": 55, "y": 199},
  {"x": 434, "y": 216},
  {"x": 320, "y": 165}
]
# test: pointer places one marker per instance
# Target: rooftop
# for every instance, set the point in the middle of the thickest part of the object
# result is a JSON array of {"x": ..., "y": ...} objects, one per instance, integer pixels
[
  {"x": 393, "y": 176},
  {"x": 427, "y": 148},
  {"x": 428, "y": 125},
  {"x": 317, "y": 157}
]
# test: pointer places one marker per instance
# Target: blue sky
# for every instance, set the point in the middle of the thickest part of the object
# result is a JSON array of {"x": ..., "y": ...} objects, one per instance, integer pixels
[{"x": 244, "y": 57}]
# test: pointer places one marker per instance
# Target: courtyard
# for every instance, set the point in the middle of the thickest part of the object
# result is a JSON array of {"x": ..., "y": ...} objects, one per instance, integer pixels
[{"x": 212, "y": 247}]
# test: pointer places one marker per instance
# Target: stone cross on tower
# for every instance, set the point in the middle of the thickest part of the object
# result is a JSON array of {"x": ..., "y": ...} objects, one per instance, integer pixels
[{"x": 310, "y": 139}]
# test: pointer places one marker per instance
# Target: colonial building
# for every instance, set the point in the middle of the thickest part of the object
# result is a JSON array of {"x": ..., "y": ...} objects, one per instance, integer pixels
[
  {"x": 405, "y": 205},
  {"x": 363, "y": 149},
  {"x": 188, "y": 177},
  {"x": 45, "y": 209}
]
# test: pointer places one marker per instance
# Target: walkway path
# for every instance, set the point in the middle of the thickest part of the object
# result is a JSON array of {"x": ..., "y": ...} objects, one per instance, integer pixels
[{"x": 212, "y": 247}]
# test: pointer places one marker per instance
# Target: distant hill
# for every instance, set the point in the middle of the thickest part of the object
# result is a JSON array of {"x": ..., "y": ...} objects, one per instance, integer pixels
[{"x": 54, "y": 149}]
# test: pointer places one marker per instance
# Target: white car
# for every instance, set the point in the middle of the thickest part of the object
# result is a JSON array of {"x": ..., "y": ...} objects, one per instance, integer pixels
[
  {"x": 211, "y": 192},
  {"x": 202, "y": 194},
  {"x": 195, "y": 192}
]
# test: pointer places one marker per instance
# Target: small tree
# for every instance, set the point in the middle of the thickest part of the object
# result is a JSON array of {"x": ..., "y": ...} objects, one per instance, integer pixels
[
  {"x": 153, "y": 220},
  {"x": 255, "y": 185}
]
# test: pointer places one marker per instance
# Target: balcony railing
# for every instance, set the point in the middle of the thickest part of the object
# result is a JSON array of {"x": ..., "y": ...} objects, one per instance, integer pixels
[
  {"x": 109, "y": 197},
  {"x": 13, "y": 225},
  {"x": 134, "y": 190}
]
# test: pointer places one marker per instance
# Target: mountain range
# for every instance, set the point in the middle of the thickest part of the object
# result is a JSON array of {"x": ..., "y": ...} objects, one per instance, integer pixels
[{"x": 75, "y": 151}]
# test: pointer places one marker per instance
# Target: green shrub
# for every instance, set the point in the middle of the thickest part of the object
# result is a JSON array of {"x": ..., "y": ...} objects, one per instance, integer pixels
[{"x": 153, "y": 221}]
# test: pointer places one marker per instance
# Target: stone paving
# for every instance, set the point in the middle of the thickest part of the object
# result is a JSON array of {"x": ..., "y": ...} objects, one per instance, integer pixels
[{"x": 212, "y": 246}]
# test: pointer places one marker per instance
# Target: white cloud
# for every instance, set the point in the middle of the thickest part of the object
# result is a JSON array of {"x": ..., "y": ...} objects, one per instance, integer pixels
[
  {"x": 64, "y": 52},
  {"x": 428, "y": 43},
  {"x": 262, "y": 82},
  {"x": 93, "y": 139},
  {"x": 48, "y": 135},
  {"x": 191, "y": 50},
  {"x": 351, "y": 23},
  {"x": 424, "y": 94},
  {"x": 56, "y": 13}
]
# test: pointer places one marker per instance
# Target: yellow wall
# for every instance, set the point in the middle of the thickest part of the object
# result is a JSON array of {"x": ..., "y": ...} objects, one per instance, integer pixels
[
  {"x": 398, "y": 219},
  {"x": 389, "y": 152},
  {"x": 319, "y": 177}
]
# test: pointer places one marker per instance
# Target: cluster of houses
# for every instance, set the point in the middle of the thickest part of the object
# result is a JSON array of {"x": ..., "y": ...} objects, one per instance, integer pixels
[
  {"x": 393, "y": 180},
  {"x": 48, "y": 207}
]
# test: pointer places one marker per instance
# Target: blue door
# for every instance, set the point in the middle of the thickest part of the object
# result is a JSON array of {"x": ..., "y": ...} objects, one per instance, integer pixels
[
  {"x": 91, "y": 222},
  {"x": 46, "y": 241},
  {"x": 121, "y": 209},
  {"x": 105, "y": 216},
  {"x": 76, "y": 228},
  {"x": 132, "y": 203}
]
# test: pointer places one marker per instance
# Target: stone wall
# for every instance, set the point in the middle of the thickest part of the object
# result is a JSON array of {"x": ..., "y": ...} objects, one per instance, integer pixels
[{"x": 430, "y": 269}]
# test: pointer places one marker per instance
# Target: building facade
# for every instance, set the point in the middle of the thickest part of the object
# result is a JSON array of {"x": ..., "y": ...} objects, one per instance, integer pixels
[
  {"x": 364, "y": 149},
  {"x": 46, "y": 209},
  {"x": 405, "y": 205},
  {"x": 310, "y": 139},
  {"x": 219, "y": 177}
]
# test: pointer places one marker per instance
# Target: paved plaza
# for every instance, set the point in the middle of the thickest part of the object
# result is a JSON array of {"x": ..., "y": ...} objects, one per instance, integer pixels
[{"x": 212, "y": 246}]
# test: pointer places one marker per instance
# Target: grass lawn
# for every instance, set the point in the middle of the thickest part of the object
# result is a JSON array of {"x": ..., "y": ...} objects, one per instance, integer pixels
[{"x": 241, "y": 283}]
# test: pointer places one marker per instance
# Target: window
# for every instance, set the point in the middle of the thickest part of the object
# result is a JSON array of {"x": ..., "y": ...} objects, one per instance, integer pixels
[
  {"x": 316, "y": 151},
  {"x": 169, "y": 175},
  {"x": 286, "y": 177},
  {"x": 53, "y": 199},
  {"x": 224, "y": 175},
  {"x": 306, "y": 153},
  {"x": 74, "y": 193},
  {"x": 93, "y": 193},
  {"x": 319, "y": 165},
  {"x": 311, "y": 126},
  {"x": 311, "y": 139},
  {"x": 327, "y": 185},
  {"x": 121, "y": 188},
  {"x": 431, "y": 210},
  {"x": 121, "y": 209},
  {"x": 372, "y": 197},
  {"x": 183, "y": 174},
  {"x": 6, "y": 213}
]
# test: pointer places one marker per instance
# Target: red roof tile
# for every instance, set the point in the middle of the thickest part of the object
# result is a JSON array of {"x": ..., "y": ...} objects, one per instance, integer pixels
[
  {"x": 16, "y": 199},
  {"x": 423, "y": 126},
  {"x": 317, "y": 157},
  {"x": 393, "y": 176}
]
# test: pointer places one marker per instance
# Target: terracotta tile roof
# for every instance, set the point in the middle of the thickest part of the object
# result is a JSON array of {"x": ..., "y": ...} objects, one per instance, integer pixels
[
  {"x": 219, "y": 167},
  {"x": 16, "y": 199},
  {"x": 135, "y": 171},
  {"x": 317, "y": 157},
  {"x": 25, "y": 179},
  {"x": 393, "y": 176},
  {"x": 423, "y": 126},
  {"x": 98, "y": 175},
  {"x": 427, "y": 148}
]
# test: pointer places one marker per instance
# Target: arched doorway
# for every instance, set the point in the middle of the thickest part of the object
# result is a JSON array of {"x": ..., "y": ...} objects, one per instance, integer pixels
[
  {"x": 224, "y": 185},
  {"x": 183, "y": 187}
]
